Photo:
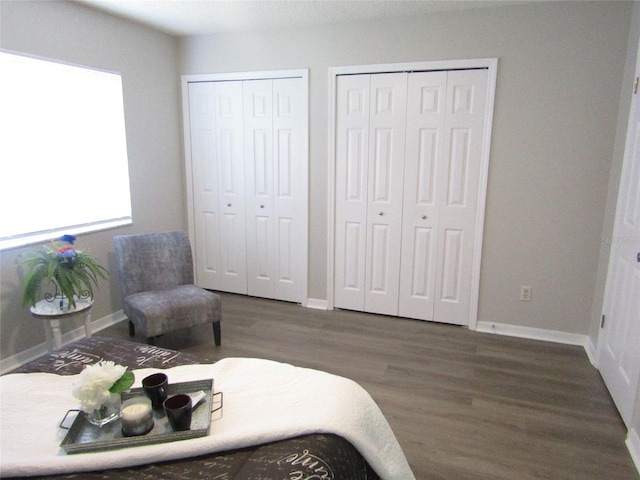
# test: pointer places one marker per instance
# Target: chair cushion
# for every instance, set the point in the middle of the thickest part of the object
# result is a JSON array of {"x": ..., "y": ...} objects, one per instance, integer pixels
[{"x": 160, "y": 311}]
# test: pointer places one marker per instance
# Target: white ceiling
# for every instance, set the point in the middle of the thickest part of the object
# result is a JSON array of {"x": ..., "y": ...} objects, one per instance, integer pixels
[{"x": 204, "y": 17}]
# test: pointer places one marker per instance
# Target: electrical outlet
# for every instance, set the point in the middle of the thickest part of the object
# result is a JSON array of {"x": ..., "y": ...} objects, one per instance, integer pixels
[{"x": 525, "y": 294}]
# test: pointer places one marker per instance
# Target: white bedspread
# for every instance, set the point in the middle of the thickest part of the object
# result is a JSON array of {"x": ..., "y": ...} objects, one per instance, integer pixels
[{"x": 264, "y": 401}]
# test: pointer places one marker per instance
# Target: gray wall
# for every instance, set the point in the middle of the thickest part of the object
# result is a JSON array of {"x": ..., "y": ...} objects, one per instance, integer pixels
[
  {"x": 559, "y": 77},
  {"x": 148, "y": 62}
]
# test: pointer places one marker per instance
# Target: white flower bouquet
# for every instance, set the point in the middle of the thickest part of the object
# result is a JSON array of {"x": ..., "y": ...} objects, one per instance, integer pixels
[{"x": 96, "y": 386}]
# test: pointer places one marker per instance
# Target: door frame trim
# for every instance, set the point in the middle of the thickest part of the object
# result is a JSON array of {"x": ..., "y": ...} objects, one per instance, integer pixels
[
  {"x": 491, "y": 64},
  {"x": 303, "y": 206}
]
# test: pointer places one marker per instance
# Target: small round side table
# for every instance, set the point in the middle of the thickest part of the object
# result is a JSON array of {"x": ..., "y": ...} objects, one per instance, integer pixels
[{"x": 51, "y": 313}]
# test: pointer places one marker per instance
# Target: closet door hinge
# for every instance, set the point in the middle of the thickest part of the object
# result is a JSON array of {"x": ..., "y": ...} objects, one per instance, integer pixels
[{"x": 635, "y": 85}]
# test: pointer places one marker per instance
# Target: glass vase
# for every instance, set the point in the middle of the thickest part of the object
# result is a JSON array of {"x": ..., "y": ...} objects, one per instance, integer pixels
[{"x": 107, "y": 413}]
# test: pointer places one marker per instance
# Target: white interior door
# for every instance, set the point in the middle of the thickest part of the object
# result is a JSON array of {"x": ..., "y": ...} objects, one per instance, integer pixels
[
  {"x": 457, "y": 198},
  {"x": 289, "y": 189},
  {"x": 231, "y": 186},
  {"x": 248, "y": 182},
  {"x": 218, "y": 184},
  {"x": 258, "y": 143},
  {"x": 406, "y": 246},
  {"x": 205, "y": 182},
  {"x": 423, "y": 163},
  {"x": 274, "y": 151},
  {"x": 352, "y": 160},
  {"x": 618, "y": 352},
  {"x": 370, "y": 150},
  {"x": 387, "y": 121}
]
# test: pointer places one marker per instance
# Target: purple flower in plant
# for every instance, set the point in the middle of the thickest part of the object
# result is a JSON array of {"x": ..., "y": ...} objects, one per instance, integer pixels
[
  {"x": 66, "y": 252},
  {"x": 70, "y": 239}
]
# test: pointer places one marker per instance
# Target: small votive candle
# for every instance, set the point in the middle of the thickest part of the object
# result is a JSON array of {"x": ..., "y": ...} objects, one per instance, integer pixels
[{"x": 137, "y": 416}]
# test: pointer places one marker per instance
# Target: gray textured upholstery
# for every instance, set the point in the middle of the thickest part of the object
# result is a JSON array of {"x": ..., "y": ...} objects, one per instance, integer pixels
[{"x": 156, "y": 280}]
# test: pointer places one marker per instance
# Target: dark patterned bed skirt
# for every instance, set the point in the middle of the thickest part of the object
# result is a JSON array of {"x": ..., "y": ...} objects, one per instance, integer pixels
[
  {"x": 72, "y": 358},
  {"x": 317, "y": 457}
]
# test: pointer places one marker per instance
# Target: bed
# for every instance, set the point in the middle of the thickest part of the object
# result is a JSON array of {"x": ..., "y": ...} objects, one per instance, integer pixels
[{"x": 299, "y": 451}]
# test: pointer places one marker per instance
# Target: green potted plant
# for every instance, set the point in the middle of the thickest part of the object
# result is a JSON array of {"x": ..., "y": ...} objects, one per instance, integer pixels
[{"x": 73, "y": 273}]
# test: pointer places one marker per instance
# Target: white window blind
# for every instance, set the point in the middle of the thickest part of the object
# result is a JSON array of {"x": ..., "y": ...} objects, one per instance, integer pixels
[{"x": 63, "y": 151}]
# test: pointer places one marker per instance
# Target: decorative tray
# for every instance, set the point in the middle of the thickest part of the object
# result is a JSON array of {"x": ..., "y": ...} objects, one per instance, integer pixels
[{"x": 85, "y": 437}]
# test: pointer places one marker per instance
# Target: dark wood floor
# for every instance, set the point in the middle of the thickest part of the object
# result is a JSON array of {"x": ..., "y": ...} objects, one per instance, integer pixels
[{"x": 463, "y": 405}]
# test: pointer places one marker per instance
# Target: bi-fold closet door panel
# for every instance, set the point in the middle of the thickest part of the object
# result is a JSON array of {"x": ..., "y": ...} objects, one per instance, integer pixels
[
  {"x": 445, "y": 130},
  {"x": 217, "y": 151},
  {"x": 273, "y": 150},
  {"x": 422, "y": 192},
  {"x": 352, "y": 157},
  {"x": 423, "y": 182},
  {"x": 247, "y": 148},
  {"x": 458, "y": 206},
  {"x": 370, "y": 151}
]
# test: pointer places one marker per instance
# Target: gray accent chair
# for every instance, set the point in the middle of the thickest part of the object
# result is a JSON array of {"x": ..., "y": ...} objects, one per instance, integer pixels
[{"x": 156, "y": 280}]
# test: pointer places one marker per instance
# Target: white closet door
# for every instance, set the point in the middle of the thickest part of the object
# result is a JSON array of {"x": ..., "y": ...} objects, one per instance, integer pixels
[
  {"x": 388, "y": 100},
  {"x": 218, "y": 179},
  {"x": 258, "y": 142},
  {"x": 459, "y": 175},
  {"x": 423, "y": 162},
  {"x": 289, "y": 188},
  {"x": 274, "y": 152},
  {"x": 352, "y": 158},
  {"x": 408, "y": 167},
  {"x": 230, "y": 154},
  {"x": 247, "y": 160},
  {"x": 370, "y": 153},
  {"x": 205, "y": 182}
]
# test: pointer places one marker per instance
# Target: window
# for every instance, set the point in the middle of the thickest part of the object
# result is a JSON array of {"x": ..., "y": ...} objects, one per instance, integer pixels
[{"x": 63, "y": 151}]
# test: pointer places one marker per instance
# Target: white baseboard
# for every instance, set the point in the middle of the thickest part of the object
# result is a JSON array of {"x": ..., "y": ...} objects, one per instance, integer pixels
[
  {"x": 19, "y": 359},
  {"x": 316, "y": 303},
  {"x": 104, "y": 322},
  {"x": 533, "y": 333},
  {"x": 592, "y": 352},
  {"x": 633, "y": 445}
]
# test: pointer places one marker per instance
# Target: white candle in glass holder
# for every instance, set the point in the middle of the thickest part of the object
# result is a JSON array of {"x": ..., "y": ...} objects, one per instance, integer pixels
[{"x": 137, "y": 416}]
